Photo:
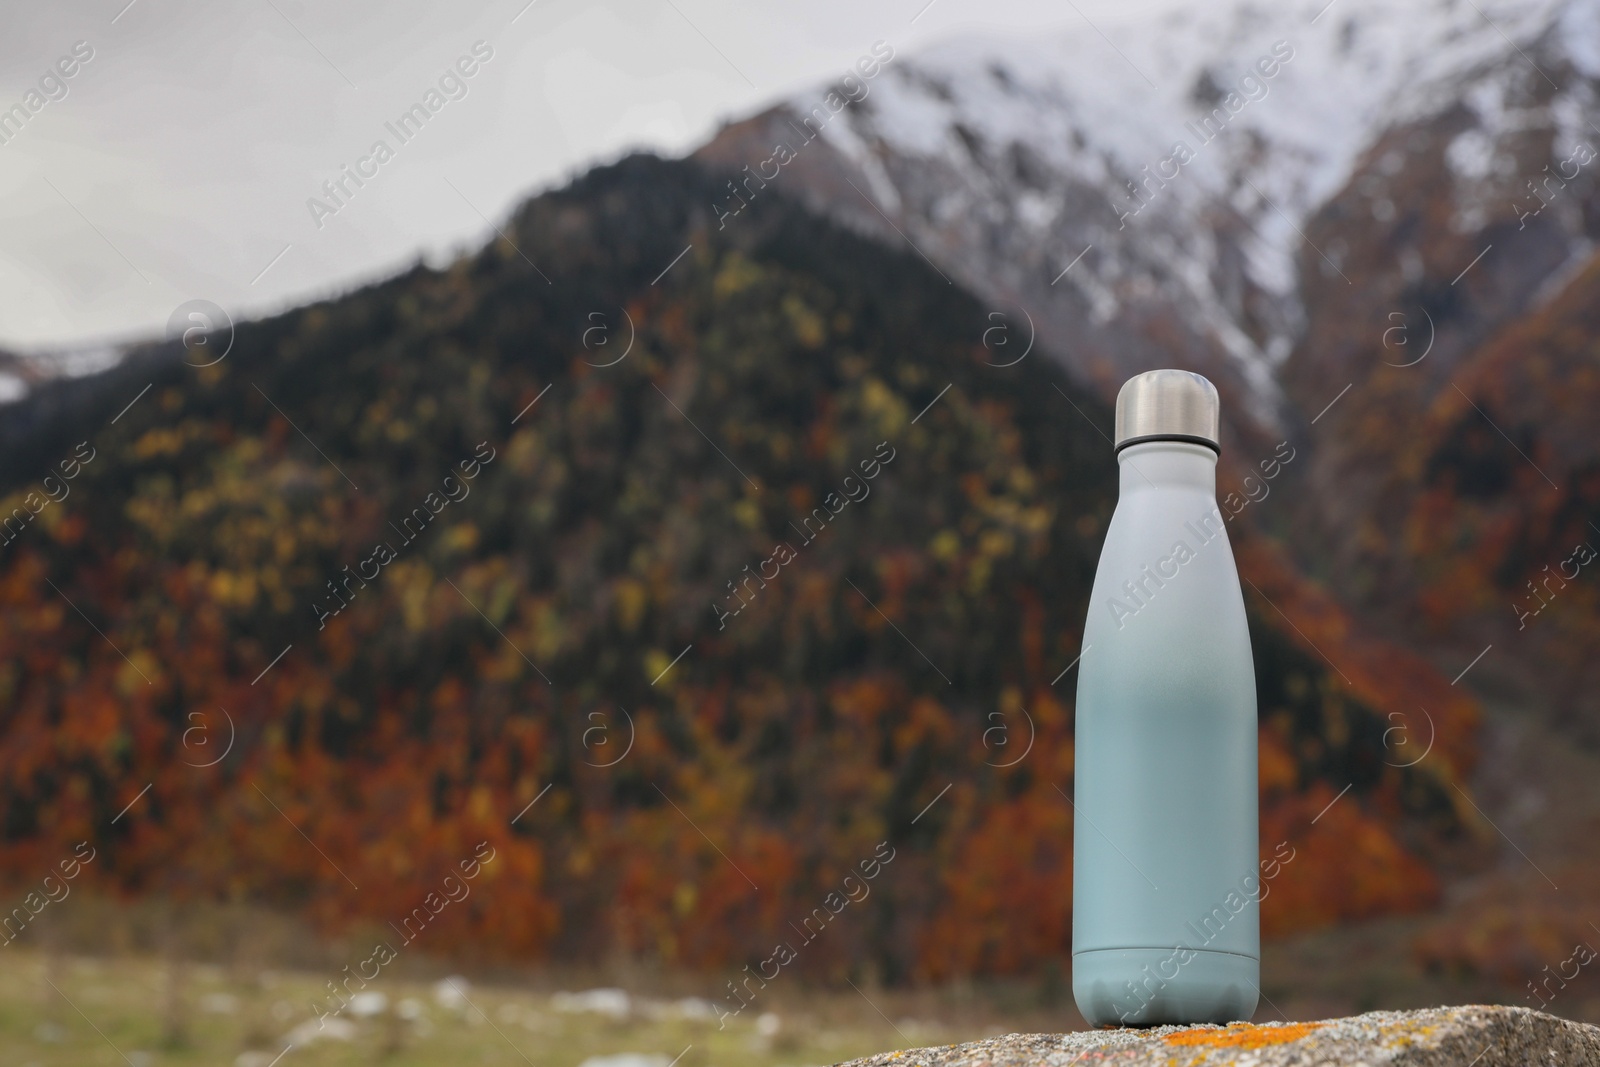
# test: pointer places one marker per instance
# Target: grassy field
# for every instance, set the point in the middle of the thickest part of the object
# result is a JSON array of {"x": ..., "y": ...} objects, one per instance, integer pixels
[
  {"x": 107, "y": 997},
  {"x": 77, "y": 1011}
]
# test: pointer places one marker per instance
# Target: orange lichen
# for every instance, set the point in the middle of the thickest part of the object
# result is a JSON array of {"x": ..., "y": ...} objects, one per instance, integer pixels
[{"x": 1246, "y": 1036}]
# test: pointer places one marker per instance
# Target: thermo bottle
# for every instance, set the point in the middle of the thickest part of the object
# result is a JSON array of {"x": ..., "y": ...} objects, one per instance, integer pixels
[{"x": 1165, "y": 885}]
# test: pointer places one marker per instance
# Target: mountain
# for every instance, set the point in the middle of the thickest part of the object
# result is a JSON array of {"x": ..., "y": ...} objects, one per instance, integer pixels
[
  {"x": 1373, "y": 226},
  {"x": 1454, "y": 530},
  {"x": 1143, "y": 195},
  {"x": 1281, "y": 198},
  {"x": 663, "y": 574}
]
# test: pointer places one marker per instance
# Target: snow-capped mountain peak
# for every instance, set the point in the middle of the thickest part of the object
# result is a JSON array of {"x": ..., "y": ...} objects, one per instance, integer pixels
[{"x": 1172, "y": 168}]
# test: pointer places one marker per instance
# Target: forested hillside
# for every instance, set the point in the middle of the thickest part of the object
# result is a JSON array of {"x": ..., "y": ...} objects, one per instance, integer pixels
[{"x": 687, "y": 585}]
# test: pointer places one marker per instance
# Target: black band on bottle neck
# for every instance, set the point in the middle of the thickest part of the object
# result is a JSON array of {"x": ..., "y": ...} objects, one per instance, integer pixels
[{"x": 1189, "y": 438}]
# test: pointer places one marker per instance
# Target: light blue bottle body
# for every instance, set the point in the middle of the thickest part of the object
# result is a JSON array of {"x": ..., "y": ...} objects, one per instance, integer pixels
[{"x": 1165, "y": 916}]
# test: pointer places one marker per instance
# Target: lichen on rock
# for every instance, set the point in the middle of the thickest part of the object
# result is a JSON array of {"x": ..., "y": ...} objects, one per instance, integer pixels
[{"x": 1468, "y": 1036}]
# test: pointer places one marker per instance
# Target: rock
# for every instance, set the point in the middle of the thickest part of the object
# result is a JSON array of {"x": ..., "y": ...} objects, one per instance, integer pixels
[
  {"x": 1474, "y": 1035},
  {"x": 367, "y": 1003},
  {"x": 451, "y": 992},
  {"x": 626, "y": 1059},
  {"x": 328, "y": 1029},
  {"x": 613, "y": 1002}
]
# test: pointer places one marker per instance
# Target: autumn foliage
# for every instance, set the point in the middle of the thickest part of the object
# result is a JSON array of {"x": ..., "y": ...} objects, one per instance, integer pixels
[{"x": 544, "y": 670}]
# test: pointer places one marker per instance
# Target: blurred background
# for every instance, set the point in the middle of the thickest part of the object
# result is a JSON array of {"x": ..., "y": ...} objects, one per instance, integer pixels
[{"x": 560, "y": 534}]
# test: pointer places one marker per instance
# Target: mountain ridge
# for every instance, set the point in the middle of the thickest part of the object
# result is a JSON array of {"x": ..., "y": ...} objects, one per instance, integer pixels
[
  {"x": 578, "y": 597},
  {"x": 1011, "y": 163}
]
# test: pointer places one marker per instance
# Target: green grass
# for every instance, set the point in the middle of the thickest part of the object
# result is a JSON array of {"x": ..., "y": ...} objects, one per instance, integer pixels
[{"x": 113, "y": 1012}]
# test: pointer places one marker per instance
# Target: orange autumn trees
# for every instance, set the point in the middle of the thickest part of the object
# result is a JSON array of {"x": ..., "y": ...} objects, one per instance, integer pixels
[{"x": 542, "y": 671}]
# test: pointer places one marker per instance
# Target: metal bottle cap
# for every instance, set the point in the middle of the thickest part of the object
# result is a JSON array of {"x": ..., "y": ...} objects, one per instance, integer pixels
[{"x": 1167, "y": 405}]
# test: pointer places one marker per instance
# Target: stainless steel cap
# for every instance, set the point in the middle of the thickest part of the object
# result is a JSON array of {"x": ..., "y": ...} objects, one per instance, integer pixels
[{"x": 1167, "y": 405}]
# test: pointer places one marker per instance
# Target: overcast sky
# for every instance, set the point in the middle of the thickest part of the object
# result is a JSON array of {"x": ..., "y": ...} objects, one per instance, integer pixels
[{"x": 176, "y": 161}]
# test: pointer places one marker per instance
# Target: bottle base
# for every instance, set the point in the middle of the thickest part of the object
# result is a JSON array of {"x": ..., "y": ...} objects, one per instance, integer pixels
[{"x": 1153, "y": 986}]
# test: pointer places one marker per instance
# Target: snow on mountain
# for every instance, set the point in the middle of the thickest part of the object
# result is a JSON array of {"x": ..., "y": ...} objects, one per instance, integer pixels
[
  {"x": 22, "y": 372},
  {"x": 1171, "y": 169}
]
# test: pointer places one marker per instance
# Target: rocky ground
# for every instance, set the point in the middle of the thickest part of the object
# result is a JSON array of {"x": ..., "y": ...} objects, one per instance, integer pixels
[{"x": 1470, "y": 1036}]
